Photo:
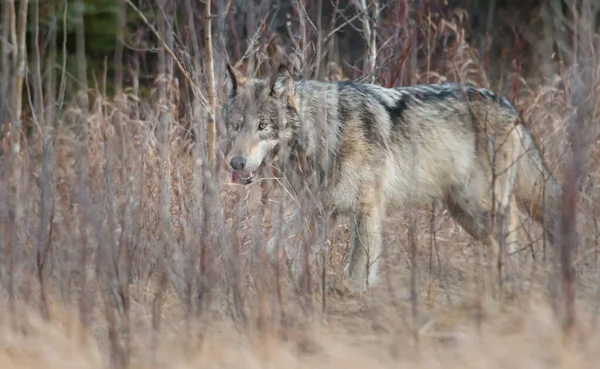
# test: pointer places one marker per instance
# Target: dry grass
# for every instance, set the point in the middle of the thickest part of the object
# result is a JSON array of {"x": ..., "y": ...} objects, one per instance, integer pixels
[{"x": 126, "y": 252}]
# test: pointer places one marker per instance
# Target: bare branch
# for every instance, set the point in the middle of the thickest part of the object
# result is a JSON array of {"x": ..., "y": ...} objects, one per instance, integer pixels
[{"x": 199, "y": 94}]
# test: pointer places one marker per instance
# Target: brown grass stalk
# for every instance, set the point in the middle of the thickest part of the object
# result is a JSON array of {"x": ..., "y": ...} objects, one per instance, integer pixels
[
  {"x": 118, "y": 59},
  {"x": 19, "y": 60},
  {"x": 210, "y": 75},
  {"x": 5, "y": 62},
  {"x": 370, "y": 34}
]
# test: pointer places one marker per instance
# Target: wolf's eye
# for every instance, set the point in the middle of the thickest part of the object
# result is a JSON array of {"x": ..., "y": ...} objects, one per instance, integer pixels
[{"x": 262, "y": 125}]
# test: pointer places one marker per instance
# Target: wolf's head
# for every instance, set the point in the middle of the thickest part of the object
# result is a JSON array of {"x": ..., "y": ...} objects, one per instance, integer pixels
[{"x": 258, "y": 115}]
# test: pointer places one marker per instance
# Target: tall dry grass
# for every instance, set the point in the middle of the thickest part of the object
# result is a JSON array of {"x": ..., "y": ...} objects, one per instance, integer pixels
[{"x": 121, "y": 248}]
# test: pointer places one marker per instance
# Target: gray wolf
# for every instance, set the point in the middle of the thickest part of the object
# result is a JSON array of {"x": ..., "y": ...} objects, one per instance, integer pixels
[{"x": 368, "y": 149}]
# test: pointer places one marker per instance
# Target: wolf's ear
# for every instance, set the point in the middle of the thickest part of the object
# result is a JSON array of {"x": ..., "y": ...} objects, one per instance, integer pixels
[
  {"x": 282, "y": 83},
  {"x": 234, "y": 80}
]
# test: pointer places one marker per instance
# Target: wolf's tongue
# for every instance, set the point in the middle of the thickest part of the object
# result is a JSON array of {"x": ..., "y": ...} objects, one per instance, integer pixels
[{"x": 234, "y": 176}]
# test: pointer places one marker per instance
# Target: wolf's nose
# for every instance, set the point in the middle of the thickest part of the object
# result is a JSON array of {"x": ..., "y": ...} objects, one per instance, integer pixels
[{"x": 238, "y": 162}]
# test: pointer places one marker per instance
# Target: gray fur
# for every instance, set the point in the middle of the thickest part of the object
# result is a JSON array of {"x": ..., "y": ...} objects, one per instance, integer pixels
[{"x": 370, "y": 149}]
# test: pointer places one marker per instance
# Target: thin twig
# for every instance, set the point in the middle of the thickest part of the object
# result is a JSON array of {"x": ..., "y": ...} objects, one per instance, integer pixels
[
  {"x": 250, "y": 49},
  {"x": 348, "y": 21},
  {"x": 196, "y": 90}
]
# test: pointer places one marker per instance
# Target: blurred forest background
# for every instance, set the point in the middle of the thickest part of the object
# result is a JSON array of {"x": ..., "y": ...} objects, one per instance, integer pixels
[
  {"x": 499, "y": 29},
  {"x": 512, "y": 37}
]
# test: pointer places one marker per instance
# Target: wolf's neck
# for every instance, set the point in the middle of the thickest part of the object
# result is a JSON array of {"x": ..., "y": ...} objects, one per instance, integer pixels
[{"x": 319, "y": 129}]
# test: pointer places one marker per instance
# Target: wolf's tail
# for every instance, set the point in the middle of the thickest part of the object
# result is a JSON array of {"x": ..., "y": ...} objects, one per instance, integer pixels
[{"x": 537, "y": 192}]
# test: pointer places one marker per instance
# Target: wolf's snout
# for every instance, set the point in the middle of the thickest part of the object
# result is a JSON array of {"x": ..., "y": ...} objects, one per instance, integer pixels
[{"x": 238, "y": 162}]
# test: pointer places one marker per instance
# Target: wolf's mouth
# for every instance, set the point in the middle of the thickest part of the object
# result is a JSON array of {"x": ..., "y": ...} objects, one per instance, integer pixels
[{"x": 244, "y": 177}]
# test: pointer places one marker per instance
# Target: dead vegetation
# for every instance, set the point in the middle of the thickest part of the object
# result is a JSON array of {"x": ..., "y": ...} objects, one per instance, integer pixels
[{"x": 120, "y": 247}]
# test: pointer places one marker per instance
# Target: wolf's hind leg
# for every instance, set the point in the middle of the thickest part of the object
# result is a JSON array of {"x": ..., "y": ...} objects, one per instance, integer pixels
[
  {"x": 473, "y": 214},
  {"x": 474, "y": 218},
  {"x": 505, "y": 161}
]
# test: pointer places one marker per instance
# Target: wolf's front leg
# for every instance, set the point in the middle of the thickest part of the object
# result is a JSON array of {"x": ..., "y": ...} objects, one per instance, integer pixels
[{"x": 365, "y": 247}]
